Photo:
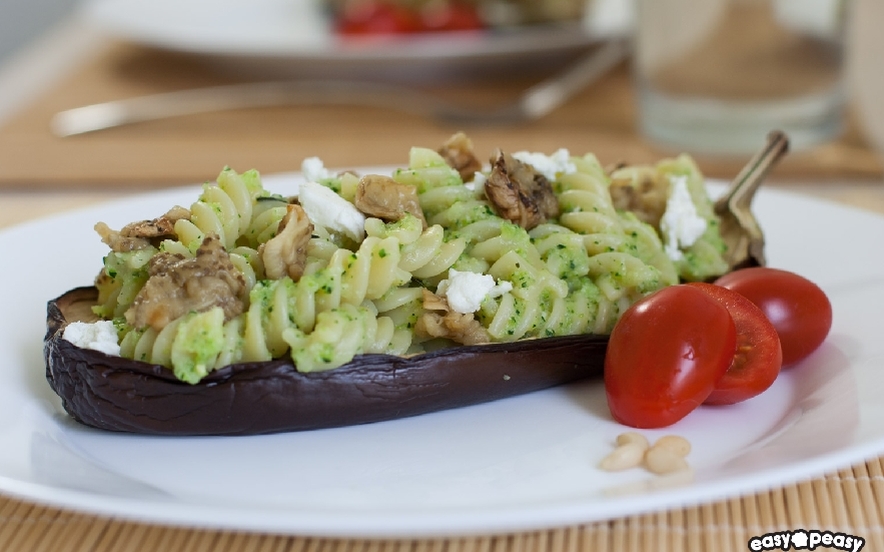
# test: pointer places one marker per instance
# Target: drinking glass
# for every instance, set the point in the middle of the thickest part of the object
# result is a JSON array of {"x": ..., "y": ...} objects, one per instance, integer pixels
[{"x": 715, "y": 76}]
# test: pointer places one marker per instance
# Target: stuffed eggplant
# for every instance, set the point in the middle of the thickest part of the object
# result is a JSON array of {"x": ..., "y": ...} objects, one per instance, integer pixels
[
  {"x": 120, "y": 394},
  {"x": 366, "y": 298}
]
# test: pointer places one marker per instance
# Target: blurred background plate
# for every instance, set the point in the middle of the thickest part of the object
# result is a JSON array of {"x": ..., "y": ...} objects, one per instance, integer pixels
[{"x": 296, "y": 38}]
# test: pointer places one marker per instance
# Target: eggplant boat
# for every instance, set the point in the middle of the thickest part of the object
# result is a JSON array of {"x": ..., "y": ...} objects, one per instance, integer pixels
[{"x": 362, "y": 298}]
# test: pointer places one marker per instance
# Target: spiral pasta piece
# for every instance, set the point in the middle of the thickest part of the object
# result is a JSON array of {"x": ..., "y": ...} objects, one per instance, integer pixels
[
  {"x": 122, "y": 277},
  {"x": 192, "y": 345},
  {"x": 705, "y": 257},
  {"x": 331, "y": 338},
  {"x": 561, "y": 249},
  {"x": 425, "y": 254},
  {"x": 224, "y": 209},
  {"x": 702, "y": 258},
  {"x": 588, "y": 210},
  {"x": 427, "y": 170},
  {"x": 265, "y": 223}
]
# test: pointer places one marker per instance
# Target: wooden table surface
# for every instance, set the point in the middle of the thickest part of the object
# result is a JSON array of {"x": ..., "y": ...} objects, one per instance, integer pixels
[{"x": 41, "y": 175}]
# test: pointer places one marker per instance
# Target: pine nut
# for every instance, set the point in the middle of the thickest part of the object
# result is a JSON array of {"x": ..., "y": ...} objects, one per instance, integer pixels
[
  {"x": 633, "y": 437},
  {"x": 676, "y": 443},
  {"x": 662, "y": 460},
  {"x": 623, "y": 457}
]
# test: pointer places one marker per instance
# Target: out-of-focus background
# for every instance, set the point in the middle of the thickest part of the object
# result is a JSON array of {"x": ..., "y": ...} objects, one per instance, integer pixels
[
  {"x": 23, "y": 20},
  {"x": 57, "y": 56}
]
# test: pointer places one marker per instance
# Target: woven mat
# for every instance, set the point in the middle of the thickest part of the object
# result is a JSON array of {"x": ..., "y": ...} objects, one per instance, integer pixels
[
  {"x": 194, "y": 148},
  {"x": 850, "y": 501}
]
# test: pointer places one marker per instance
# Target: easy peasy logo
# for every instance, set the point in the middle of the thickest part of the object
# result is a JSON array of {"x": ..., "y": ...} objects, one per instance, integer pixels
[{"x": 802, "y": 539}]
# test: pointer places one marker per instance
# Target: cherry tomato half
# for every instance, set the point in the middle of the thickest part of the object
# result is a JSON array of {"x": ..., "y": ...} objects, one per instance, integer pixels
[
  {"x": 798, "y": 308},
  {"x": 665, "y": 355},
  {"x": 758, "y": 357}
]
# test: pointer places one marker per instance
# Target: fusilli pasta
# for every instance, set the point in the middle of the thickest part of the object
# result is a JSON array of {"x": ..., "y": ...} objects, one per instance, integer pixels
[{"x": 575, "y": 272}]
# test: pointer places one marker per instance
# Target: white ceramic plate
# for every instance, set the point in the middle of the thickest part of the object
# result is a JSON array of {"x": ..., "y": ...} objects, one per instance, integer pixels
[
  {"x": 294, "y": 37},
  {"x": 523, "y": 463}
]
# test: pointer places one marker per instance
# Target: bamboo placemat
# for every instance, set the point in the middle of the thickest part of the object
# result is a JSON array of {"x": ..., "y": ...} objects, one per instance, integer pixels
[
  {"x": 849, "y": 501},
  {"x": 191, "y": 149}
]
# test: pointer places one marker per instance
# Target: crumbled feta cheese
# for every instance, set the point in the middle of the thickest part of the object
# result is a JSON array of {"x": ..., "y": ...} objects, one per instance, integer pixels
[
  {"x": 477, "y": 182},
  {"x": 314, "y": 170},
  {"x": 327, "y": 209},
  {"x": 465, "y": 291},
  {"x": 548, "y": 165},
  {"x": 681, "y": 225},
  {"x": 99, "y": 336}
]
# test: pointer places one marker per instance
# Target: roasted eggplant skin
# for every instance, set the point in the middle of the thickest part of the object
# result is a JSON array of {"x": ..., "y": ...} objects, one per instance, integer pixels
[{"x": 118, "y": 394}]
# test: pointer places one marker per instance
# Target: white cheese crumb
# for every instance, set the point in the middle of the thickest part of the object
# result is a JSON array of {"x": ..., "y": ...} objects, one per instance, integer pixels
[
  {"x": 98, "y": 336},
  {"x": 548, "y": 165},
  {"x": 681, "y": 225},
  {"x": 465, "y": 291},
  {"x": 478, "y": 181},
  {"x": 327, "y": 209},
  {"x": 314, "y": 170}
]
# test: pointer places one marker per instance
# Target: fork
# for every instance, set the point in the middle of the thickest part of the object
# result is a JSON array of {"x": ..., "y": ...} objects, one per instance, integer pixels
[
  {"x": 534, "y": 103},
  {"x": 739, "y": 228}
]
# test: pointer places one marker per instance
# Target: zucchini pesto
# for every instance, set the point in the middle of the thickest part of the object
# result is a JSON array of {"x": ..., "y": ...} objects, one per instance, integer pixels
[{"x": 445, "y": 251}]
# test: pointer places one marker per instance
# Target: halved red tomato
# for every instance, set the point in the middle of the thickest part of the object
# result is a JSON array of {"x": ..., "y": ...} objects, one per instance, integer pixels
[
  {"x": 665, "y": 356},
  {"x": 758, "y": 358},
  {"x": 799, "y": 310}
]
